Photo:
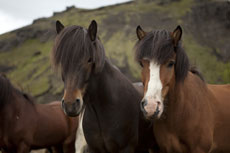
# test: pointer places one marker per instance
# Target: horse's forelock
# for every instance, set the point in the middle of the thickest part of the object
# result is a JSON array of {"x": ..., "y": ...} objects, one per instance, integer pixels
[
  {"x": 73, "y": 48},
  {"x": 158, "y": 45}
]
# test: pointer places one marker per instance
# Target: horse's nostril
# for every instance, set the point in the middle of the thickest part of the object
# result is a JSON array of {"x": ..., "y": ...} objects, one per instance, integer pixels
[
  {"x": 78, "y": 100},
  {"x": 157, "y": 110},
  {"x": 62, "y": 103},
  {"x": 143, "y": 104},
  {"x": 158, "y": 103}
]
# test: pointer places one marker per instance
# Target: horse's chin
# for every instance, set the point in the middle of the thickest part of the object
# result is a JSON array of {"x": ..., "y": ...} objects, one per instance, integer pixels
[
  {"x": 72, "y": 114},
  {"x": 154, "y": 116}
]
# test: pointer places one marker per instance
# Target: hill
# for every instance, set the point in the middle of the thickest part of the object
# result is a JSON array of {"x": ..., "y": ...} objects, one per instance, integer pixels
[{"x": 24, "y": 53}]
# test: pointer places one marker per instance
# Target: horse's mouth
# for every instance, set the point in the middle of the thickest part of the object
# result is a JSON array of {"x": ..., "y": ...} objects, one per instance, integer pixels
[{"x": 73, "y": 114}]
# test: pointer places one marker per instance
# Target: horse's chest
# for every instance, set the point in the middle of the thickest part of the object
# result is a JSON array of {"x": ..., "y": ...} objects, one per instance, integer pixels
[
  {"x": 169, "y": 142},
  {"x": 92, "y": 131},
  {"x": 105, "y": 133}
]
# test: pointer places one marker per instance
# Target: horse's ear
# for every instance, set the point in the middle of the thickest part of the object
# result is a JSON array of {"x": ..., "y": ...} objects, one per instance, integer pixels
[
  {"x": 140, "y": 32},
  {"x": 177, "y": 33},
  {"x": 59, "y": 26},
  {"x": 92, "y": 30}
]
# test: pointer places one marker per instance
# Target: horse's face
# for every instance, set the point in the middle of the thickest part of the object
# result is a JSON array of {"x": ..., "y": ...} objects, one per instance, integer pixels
[
  {"x": 157, "y": 80},
  {"x": 72, "y": 101},
  {"x": 77, "y": 65}
]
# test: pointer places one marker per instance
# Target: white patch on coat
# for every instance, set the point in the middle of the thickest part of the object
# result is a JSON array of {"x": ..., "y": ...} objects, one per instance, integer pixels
[{"x": 80, "y": 143}]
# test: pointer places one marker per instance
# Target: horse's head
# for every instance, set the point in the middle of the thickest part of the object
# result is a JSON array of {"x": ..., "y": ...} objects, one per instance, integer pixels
[
  {"x": 79, "y": 54},
  {"x": 164, "y": 64}
]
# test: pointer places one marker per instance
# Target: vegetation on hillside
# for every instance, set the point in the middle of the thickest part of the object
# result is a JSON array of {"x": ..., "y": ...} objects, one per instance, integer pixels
[{"x": 24, "y": 53}]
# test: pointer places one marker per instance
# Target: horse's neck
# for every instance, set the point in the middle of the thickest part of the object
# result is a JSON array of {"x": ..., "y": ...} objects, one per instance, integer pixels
[
  {"x": 109, "y": 84},
  {"x": 187, "y": 98},
  {"x": 14, "y": 107},
  {"x": 9, "y": 114}
]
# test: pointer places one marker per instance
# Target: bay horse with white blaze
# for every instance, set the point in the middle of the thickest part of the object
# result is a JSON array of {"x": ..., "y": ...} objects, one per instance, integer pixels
[
  {"x": 189, "y": 115},
  {"x": 25, "y": 125},
  {"x": 112, "y": 113}
]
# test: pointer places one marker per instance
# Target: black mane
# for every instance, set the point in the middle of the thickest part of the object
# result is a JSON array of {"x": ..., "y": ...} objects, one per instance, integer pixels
[
  {"x": 5, "y": 90},
  {"x": 73, "y": 48},
  {"x": 195, "y": 71},
  {"x": 158, "y": 45},
  {"x": 155, "y": 45}
]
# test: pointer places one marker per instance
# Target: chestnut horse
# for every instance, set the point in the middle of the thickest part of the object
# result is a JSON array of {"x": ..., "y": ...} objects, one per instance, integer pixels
[
  {"x": 189, "y": 115},
  {"x": 112, "y": 110},
  {"x": 25, "y": 125}
]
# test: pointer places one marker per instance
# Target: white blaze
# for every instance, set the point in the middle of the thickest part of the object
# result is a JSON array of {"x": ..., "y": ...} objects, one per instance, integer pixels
[{"x": 153, "y": 93}]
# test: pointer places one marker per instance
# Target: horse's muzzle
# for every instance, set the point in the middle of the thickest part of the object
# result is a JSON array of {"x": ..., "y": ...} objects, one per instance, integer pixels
[
  {"x": 150, "y": 110},
  {"x": 72, "y": 109}
]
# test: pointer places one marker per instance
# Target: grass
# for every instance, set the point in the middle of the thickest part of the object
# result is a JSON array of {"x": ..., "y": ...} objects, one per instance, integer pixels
[
  {"x": 121, "y": 52},
  {"x": 213, "y": 70},
  {"x": 33, "y": 73}
]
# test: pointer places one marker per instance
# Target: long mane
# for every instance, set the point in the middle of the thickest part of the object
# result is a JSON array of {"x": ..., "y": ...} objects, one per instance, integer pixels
[
  {"x": 7, "y": 91},
  {"x": 73, "y": 48},
  {"x": 158, "y": 45}
]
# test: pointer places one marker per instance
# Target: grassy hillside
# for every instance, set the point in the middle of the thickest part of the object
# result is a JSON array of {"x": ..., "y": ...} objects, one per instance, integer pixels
[{"x": 24, "y": 53}]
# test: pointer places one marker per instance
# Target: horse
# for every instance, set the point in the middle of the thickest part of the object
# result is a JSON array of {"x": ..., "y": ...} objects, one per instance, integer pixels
[
  {"x": 112, "y": 120},
  {"x": 26, "y": 125},
  {"x": 189, "y": 115}
]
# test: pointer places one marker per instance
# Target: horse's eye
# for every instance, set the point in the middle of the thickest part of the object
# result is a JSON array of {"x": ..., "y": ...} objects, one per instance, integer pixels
[
  {"x": 90, "y": 60},
  {"x": 170, "y": 64},
  {"x": 62, "y": 77},
  {"x": 140, "y": 63}
]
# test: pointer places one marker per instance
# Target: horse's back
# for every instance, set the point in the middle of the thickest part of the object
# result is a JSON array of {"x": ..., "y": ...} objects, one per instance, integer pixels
[
  {"x": 222, "y": 116},
  {"x": 221, "y": 92},
  {"x": 55, "y": 125},
  {"x": 54, "y": 103}
]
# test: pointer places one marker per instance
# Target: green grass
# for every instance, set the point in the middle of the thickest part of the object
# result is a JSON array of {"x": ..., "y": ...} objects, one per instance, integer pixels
[
  {"x": 34, "y": 75},
  {"x": 174, "y": 9},
  {"x": 31, "y": 71},
  {"x": 213, "y": 70}
]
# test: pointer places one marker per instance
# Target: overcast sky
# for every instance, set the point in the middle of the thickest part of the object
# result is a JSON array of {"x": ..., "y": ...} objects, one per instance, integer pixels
[{"x": 18, "y": 13}]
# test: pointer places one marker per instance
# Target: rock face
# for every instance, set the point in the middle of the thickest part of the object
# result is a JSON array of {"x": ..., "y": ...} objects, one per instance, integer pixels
[
  {"x": 19, "y": 36},
  {"x": 24, "y": 53}
]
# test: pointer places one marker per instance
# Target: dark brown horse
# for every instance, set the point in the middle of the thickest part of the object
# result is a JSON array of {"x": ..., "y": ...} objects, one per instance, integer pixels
[
  {"x": 190, "y": 116},
  {"x": 112, "y": 110},
  {"x": 25, "y": 125}
]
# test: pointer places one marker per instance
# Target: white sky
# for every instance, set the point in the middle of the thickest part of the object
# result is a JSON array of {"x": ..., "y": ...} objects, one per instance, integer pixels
[{"x": 18, "y": 13}]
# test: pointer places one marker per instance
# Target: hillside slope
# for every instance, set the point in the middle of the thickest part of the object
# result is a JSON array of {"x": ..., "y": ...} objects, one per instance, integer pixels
[{"x": 24, "y": 53}]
